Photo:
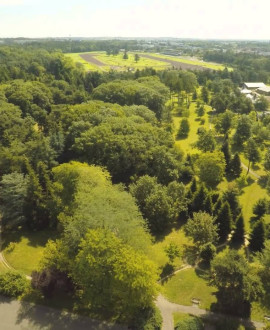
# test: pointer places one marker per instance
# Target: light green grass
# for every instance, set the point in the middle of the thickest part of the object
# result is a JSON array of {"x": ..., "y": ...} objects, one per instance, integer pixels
[
  {"x": 185, "y": 285},
  {"x": 27, "y": 249},
  {"x": 187, "y": 145},
  {"x": 157, "y": 253},
  {"x": 87, "y": 66},
  {"x": 118, "y": 62},
  {"x": 193, "y": 61}
]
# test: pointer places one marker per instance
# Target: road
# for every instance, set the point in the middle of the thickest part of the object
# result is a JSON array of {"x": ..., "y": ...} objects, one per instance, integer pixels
[{"x": 16, "y": 315}]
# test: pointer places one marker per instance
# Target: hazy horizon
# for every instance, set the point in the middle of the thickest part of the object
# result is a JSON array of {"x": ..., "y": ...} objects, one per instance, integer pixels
[{"x": 209, "y": 19}]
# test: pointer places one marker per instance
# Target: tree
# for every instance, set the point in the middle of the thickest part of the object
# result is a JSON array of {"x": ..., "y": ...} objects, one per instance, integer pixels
[
  {"x": 13, "y": 188},
  {"x": 239, "y": 231},
  {"x": 172, "y": 251},
  {"x": 243, "y": 130},
  {"x": 237, "y": 283},
  {"x": 211, "y": 168},
  {"x": 224, "y": 123},
  {"x": 235, "y": 166},
  {"x": 205, "y": 94},
  {"x": 231, "y": 196},
  {"x": 113, "y": 276},
  {"x": 208, "y": 252},
  {"x": 183, "y": 128},
  {"x": 202, "y": 229},
  {"x": 199, "y": 199},
  {"x": 252, "y": 152},
  {"x": 136, "y": 57},
  {"x": 13, "y": 283},
  {"x": 224, "y": 221},
  {"x": 125, "y": 56},
  {"x": 260, "y": 207},
  {"x": 266, "y": 163},
  {"x": 206, "y": 141},
  {"x": 227, "y": 154},
  {"x": 193, "y": 186},
  {"x": 257, "y": 237},
  {"x": 261, "y": 104}
]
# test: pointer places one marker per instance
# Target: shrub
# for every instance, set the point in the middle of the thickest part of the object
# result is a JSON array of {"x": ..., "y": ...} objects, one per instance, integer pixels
[
  {"x": 13, "y": 284},
  {"x": 193, "y": 323},
  {"x": 147, "y": 319}
]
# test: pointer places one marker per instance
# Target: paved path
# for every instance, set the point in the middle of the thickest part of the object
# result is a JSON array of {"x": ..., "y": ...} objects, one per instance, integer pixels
[
  {"x": 16, "y": 315},
  {"x": 167, "y": 309},
  {"x": 250, "y": 171}
]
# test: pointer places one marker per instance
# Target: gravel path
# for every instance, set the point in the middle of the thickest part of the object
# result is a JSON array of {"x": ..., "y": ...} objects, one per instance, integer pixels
[
  {"x": 250, "y": 171},
  {"x": 167, "y": 309}
]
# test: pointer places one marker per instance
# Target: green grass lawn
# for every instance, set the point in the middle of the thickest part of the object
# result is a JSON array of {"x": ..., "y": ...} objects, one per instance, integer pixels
[
  {"x": 3, "y": 269},
  {"x": 157, "y": 253},
  {"x": 188, "y": 284},
  {"x": 189, "y": 60},
  {"x": 118, "y": 61},
  {"x": 187, "y": 145},
  {"x": 27, "y": 249}
]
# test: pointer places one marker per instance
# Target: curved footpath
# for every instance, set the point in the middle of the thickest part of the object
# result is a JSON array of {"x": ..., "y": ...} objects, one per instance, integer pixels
[{"x": 167, "y": 309}]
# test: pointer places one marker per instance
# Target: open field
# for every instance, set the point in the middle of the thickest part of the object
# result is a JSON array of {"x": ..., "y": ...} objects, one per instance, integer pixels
[
  {"x": 191, "y": 63},
  {"x": 23, "y": 251},
  {"x": 102, "y": 62},
  {"x": 188, "y": 284}
]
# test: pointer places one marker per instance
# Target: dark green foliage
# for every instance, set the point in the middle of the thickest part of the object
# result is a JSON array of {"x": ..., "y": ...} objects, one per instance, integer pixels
[
  {"x": 13, "y": 284},
  {"x": 125, "y": 56},
  {"x": 199, "y": 199},
  {"x": 205, "y": 94},
  {"x": 260, "y": 207},
  {"x": 227, "y": 155},
  {"x": 266, "y": 163},
  {"x": 239, "y": 231},
  {"x": 217, "y": 206},
  {"x": 224, "y": 221},
  {"x": 236, "y": 282},
  {"x": 183, "y": 128},
  {"x": 192, "y": 323},
  {"x": 231, "y": 196},
  {"x": 13, "y": 189},
  {"x": 208, "y": 205},
  {"x": 235, "y": 166},
  {"x": 147, "y": 319},
  {"x": 206, "y": 141},
  {"x": 252, "y": 152},
  {"x": 243, "y": 131},
  {"x": 257, "y": 237},
  {"x": 261, "y": 104},
  {"x": 193, "y": 186},
  {"x": 208, "y": 252}
]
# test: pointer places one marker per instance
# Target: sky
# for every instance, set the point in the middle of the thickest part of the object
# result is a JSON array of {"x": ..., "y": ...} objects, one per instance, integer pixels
[{"x": 202, "y": 19}]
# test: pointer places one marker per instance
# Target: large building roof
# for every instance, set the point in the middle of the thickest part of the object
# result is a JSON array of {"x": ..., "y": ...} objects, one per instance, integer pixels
[
  {"x": 264, "y": 89},
  {"x": 254, "y": 84}
]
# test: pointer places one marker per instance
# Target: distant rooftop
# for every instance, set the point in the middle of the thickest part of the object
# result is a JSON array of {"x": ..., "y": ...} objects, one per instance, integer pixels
[
  {"x": 246, "y": 91},
  {"x": 265, "y": 89},
  {"x": 254, "y": 84}
]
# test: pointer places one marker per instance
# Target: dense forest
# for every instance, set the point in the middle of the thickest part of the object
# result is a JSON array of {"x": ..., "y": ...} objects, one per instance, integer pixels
[{"x": 98, "y": 160}]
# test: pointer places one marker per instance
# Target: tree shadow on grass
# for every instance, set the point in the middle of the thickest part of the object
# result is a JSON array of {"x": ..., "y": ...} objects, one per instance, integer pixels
[
  {"x": 262, "y": 181},
  {"x": 190, "y": 254},
  {"x": 37, "y": 238}
]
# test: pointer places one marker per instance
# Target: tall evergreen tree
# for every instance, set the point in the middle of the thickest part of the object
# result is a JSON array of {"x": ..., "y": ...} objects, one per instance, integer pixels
[
  {"x": 257, "y": 237},
  {"x": 235, "y": 166},
  {"x": 193, "y": 186},
  {"x": 217, "y": 206},
  {"x": 227, "y": 155},
  {"x": 239, "y": 232},
  {"x": 208, "y": 205},
  {"x": 224, "y": 221},
  {"x": 232, "y": 198},
  {"x": 199, "y": 199}
]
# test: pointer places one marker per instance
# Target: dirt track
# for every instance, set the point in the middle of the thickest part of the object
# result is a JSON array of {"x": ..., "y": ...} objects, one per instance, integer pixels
[
  {"x": 176, "y": 64},
  {"x": 89, "y": 58}
]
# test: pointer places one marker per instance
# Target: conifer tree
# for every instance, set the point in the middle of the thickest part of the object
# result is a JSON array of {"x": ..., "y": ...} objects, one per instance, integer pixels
[
  {"x": 232, "y": 198},
  {"x": 239, "y": 232},
  {"x": 199, "y": 199},
  {"x": 257, "y": 237},
  {"x": 208, "y": 205},
  {"x": 235, "y": 166},
  {"x": 227, "y": 155},
  {"x": 193, "y": 186},
  {"x": 224, "y": 221},
  {"x": 217, "y": 206}
]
